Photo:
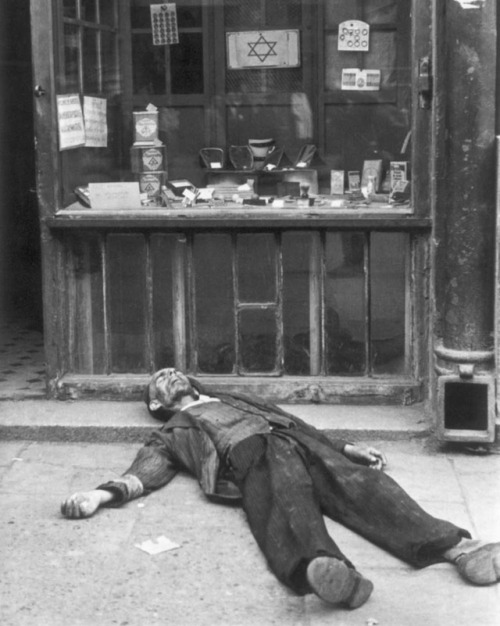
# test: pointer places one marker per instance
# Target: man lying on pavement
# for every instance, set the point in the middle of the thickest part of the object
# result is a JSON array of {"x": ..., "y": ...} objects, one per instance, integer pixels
[{"x": 286, "y": 475}]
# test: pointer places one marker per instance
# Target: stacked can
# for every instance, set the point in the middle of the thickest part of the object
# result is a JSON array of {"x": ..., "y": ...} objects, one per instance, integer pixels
[{"x": 148, "y": 155}]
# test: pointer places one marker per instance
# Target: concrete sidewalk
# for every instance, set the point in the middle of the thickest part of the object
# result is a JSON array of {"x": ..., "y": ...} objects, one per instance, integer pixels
[{"x": 57, "y": 572}]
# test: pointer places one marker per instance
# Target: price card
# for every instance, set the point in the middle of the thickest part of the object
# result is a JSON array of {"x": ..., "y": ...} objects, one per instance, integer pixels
[
  {"x": 164, "y": 24},
  {"x": 354, "y": 35},
  {"x": 354, "y": 79}
]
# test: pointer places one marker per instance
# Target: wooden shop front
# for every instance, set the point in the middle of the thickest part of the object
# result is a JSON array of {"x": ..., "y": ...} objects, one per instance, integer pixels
[{"x": 240, "y": 189}]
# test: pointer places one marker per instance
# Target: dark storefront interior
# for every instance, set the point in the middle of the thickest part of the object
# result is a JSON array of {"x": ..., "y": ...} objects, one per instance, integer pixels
[{"x": 21, "y": 328}]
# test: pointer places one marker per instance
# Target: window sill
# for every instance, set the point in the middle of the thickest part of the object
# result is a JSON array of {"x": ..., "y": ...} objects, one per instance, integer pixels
[
  {"x": 287, "y": 389},
  {"x": 376, "y": 216}
]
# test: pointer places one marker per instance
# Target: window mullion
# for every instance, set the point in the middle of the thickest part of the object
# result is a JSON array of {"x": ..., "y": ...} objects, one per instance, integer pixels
[
  {"x": 103, "y": 245},
  {"x": 280, "y": 352},
  {"x": 149, "y": 339},
  {"x": 367, "y": 307},
  {"x": 236, "y": 304},
  {"x": 179, "y": 301},
  {"x": 315, "y": 305}
]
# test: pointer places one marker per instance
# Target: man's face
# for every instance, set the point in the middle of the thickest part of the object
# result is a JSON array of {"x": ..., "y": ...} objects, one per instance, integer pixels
[{"x": 168, "y": 386}]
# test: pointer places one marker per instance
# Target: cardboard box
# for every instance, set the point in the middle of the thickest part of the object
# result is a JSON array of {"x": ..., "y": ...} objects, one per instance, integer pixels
[{"x": 148, "y": 159}]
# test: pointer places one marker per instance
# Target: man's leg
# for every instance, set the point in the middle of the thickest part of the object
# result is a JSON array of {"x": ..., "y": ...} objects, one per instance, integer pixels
[
  {"x": 375, "y": 506},
  {"x": 372, "y": 504},
  {"x": 286, "y": 521}
]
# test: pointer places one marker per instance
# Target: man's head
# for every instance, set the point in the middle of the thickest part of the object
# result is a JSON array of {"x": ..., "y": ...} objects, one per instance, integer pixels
[{"x": 166, "y": 392}]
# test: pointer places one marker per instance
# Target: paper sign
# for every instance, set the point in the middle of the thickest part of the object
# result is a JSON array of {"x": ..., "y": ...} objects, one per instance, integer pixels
[
  {"x": 96, "y": 125},
  {"x": 70, "y": 122},
  {"x": 161, "y": 544},
  {"x": 115, "y": 195},
  {"x": 354, "y": 35},
  {"x": 354, "y": 79},
  {"x": 263, "y": 48}
]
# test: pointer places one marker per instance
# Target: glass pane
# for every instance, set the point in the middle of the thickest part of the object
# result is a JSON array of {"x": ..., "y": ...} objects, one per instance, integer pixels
[
  {"x": 333, "y": 69},
  {"x": 86, "y": 341},
  {"x": 108, "y": 13},
  {"x": 258, "y": 337},
  {"x": 110, "y": 64},
  {"x": 189, "y": 16},
  {"x": 214, "y": 302},
  {"x": 256, "y": 255},
  {"x": 69, "y": 8},
  {"x": 88, "y": 11},
  {"x": 383, "y": 11},
  {"x": 148, "y": 65},
  {"x": 337, "y": 11},
  {"x": 162, "y": 247},
  {"x": 140, "y": 14},
  {"x": 382, "y": 56},
  {"x": 126, "y": 301},
  {"x": 298, "y": 296},
  {"x": 371, "y": 11},
  {"x": 186, "y": 64},
  {"x": 283, "y": 13},
  {"x": 358, "y": 130},
  {"x": 71, "y": 58},
  {"x": 243, "y": 14},
  {"x": 345, "y": 324},
  {"x": 263, "y": 81},
  {"x": 252, "y": 14},
  {"x": 91, "y": 68},
  {"x": 388, "y": 252}
]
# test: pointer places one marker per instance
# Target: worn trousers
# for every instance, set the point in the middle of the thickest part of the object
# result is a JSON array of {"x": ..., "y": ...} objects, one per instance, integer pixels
[{"x": 289, "y": 480}]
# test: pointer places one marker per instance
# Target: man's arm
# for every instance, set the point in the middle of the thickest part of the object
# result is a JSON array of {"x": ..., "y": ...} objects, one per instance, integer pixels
[
  {"x": 85, "y": 503},
  {"x": 365, "y": 455},
  {"x": 152, "y": 468}
]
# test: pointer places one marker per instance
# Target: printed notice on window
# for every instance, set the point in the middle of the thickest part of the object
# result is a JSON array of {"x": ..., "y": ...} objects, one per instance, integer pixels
[
  {"x": 96, "y": 127},
  {"x": 70, "y": 122}
]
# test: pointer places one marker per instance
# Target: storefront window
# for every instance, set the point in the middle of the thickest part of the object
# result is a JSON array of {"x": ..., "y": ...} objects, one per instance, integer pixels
[
  {"x": 331, "y": 75},
  {"x": 291, "y": 258}
]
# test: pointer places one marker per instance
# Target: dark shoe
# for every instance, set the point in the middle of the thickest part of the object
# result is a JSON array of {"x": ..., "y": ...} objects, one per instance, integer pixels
[
  {"x": 480, "y": 566},
  {"x": 334, "y": 582}
]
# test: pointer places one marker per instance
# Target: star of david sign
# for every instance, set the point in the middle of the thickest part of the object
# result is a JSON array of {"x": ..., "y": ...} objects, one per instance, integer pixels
[{"x": 266, "y": 48}]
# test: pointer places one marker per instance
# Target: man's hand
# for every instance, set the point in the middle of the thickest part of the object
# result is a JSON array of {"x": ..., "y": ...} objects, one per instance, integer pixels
[
  {"x": 365, "y": 455},
  {"x": 85, "y": 503}
]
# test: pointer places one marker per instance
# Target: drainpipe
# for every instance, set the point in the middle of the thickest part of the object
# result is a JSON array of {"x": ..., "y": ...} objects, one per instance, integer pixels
[{"x": 463, "y": 191}]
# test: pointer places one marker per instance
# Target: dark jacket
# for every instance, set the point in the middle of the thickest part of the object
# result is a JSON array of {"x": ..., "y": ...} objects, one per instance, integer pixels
[{"x": 183, "y": 443}]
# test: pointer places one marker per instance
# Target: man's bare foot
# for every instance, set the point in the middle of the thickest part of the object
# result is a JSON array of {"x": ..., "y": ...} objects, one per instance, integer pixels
[{"x": 85, "y": 503}]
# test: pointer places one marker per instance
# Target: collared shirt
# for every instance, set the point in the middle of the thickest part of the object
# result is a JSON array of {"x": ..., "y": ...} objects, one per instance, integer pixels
[{"x": 201, "y": 400}]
